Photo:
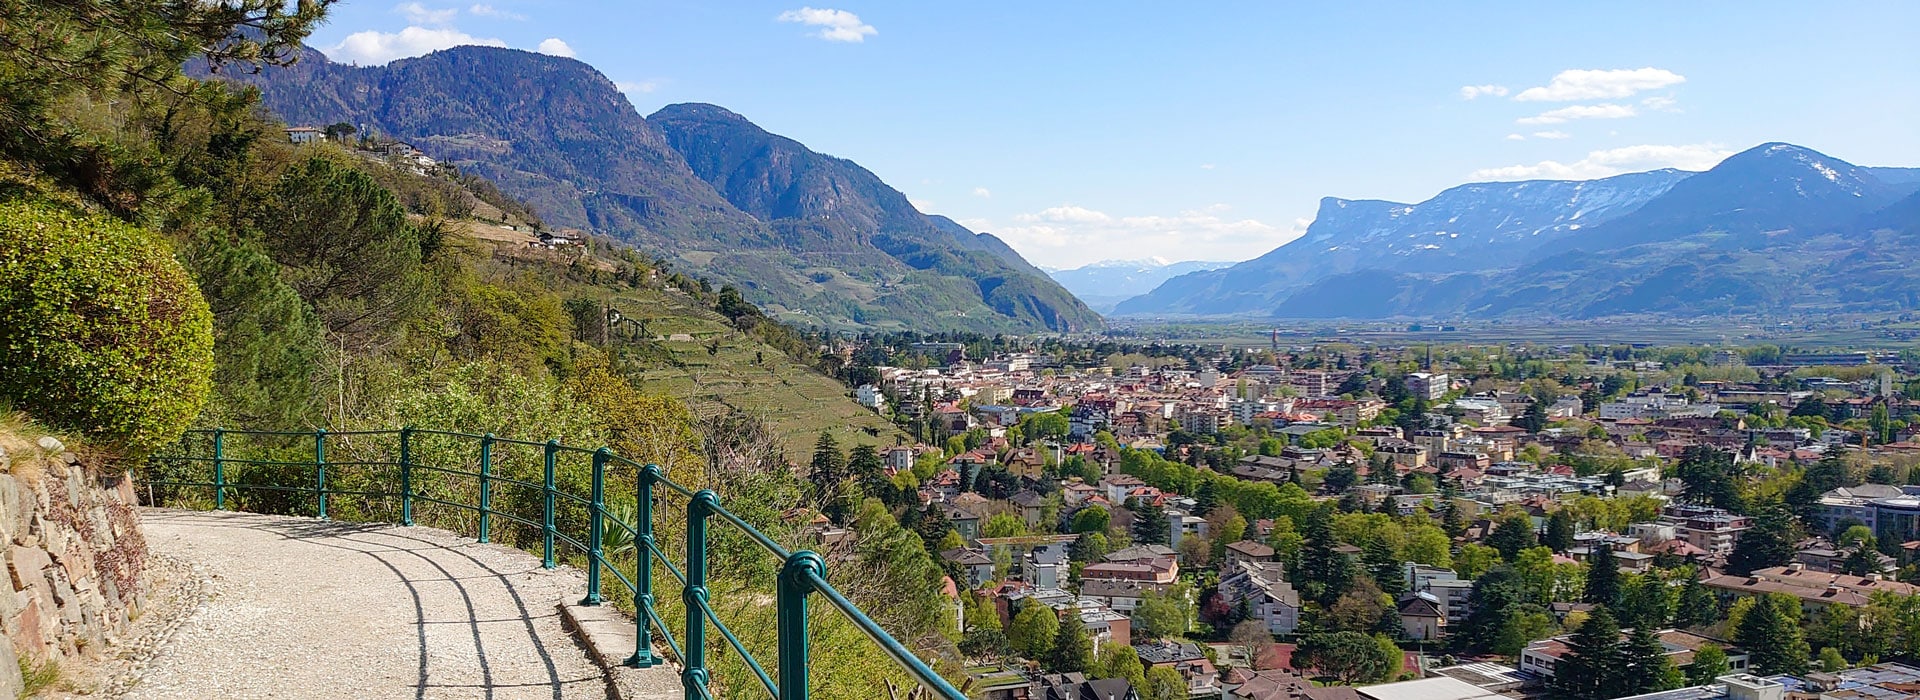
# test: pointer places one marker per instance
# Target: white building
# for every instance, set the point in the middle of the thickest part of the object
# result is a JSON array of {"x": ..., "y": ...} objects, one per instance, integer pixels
[
  {"x": 1429, "y": 385},
  {"x": 870, "y": 396}
]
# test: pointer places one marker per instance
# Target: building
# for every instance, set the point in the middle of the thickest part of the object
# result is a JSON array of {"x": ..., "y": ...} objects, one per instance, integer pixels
[
  {"x": 974, "y": 565},
  {"x": 1814, "y": 589},
  {"x": 305, "y": 134},
  {"x": 1423, "y": 617},
  {"x": 1540, "y": 657},
  {"x": 1711, "y": 529},
  {"x": 1066, "y": 686},
  {"x": 1187, "y": 658},
  {"x": 1264, "y": 589},
  {"x": 1892, "y": 512},
  {"x": 869, "y": 395},
  {"x": 1429, "y": 385},
  {"x": 1737, "y": 686},
  {"x": 1452, "y": 592}
]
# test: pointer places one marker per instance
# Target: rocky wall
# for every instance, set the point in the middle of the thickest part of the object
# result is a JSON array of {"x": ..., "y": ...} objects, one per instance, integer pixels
[{"x": 74, "y": 558}]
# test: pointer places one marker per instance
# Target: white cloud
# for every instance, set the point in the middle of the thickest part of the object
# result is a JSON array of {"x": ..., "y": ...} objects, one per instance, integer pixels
[
  {"x": 925, "y": 206},
  {"x": 1206, "y": 166},
  {"x": 982, "y": 192},
  {"x": 1070, "y": 235},
  {"x": 553, "y": 46},
  {"x": 1565, "y": 114},
  {"x": 376, "y": 48},
  {"x": 835, "y": 25},
  {"x": 1554, "y": 134},
  {"x": 1660, "y": 104},
  {"x": 1575, "y": 85},
  {"x": 1516, "y": 137},
  {"x": 485, "y": 10},
  {"x": 1614, "y": 161},
  {"x": 1468, "y": 92},
  {"x": 417, "y": 13},
  {"x": 1065, "y": 213}
]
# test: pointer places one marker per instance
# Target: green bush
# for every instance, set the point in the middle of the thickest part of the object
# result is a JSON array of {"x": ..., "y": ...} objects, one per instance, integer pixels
[{"x": 101, "y": 330}]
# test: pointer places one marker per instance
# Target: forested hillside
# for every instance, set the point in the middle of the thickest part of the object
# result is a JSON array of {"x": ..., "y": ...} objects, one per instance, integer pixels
[
  {"x": 819, "y": 240},
  {"x": 168, "y": 259}
]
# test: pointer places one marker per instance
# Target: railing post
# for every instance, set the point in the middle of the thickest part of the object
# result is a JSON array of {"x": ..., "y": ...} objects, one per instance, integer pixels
[
  {"x": 694, "y": 678},
  {"x": 486, "y": 484},
  {"x": 596, "y": 529},
  {"x": 320, "y": 472},
  {"x": 546, "y": 526},
  {"x": 406, "y": 476},
  {"x": 791, "y": 612},
  {"x": 643, "y": 569},
  {"x": 219, "y": 469}
]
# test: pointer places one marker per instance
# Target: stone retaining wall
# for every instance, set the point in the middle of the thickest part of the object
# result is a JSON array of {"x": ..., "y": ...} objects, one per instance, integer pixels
[{"x": 74, "y": 558}]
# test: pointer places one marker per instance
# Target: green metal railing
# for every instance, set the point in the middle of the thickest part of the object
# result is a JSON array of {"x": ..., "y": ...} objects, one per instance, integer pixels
[{"x": 801, "y": 573}]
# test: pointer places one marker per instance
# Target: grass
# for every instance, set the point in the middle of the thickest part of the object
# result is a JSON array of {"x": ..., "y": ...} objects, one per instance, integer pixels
[
  {"x": 19, "y": 437},
  {"x": 745, "y": 374},
  {"x": 38, "y": 677}
]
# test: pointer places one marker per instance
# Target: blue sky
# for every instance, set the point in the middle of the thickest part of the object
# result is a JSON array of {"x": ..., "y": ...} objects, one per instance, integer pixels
[{"x": 1084, "y": 131}]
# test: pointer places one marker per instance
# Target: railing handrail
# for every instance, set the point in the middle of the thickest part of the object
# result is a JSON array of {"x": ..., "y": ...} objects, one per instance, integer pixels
[{"x": 801, "y": 573}]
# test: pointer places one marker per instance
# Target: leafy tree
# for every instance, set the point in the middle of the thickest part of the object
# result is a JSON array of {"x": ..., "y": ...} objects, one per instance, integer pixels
[
  {"x": 1164, "y": 683},
  {"x": 1772, "y": 637},
  {"x": 1345, "y": 657},
  {"x": 339, "y": 131},
  {"x": 1003, "y": 525},
  {"x": 1072, "y": 648},
  {"x": 1645, "y": 601},
  {"x": 1830, "y": 473},
  {"x": 1831, "y": 660},
  {"x": 1091, "y": 547},
  {"x": 1490, "y": 602},
  {"x": 1768, "y": 543},
  {"x": 1709, "y": 662},
  {"x": 1341, "y": 477},
  {"x": 1091, "y": 519},
  {"x": 1591, "y": 669},
  {"x": 1429, "y": 545},
  {"x": 1560, "y": 533},
  {"x": 1475, "y": 559},
  {"x": 1117, "y": 660},
  {"x": 1513, "y": 533},
  {"x": 1159, "y": 616},
  {"x": 1523, "y": 624},
  {"x": 1033, "y": 629}
]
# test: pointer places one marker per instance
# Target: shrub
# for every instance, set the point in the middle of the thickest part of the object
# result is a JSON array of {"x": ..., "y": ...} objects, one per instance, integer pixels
[{"x": 101, "y": 330}]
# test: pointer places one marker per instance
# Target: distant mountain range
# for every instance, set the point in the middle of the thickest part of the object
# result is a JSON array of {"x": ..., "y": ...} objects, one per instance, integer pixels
[
  {"x": 1109, "y": 282},
  {"x": 1776, "y": 228},
  {"x": 818, "y": 240}
]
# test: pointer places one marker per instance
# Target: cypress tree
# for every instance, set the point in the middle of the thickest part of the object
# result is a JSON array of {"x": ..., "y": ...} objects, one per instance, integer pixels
[
  {"x": 1559, "y": 531},
  {"x": 1603, "y": 577}
]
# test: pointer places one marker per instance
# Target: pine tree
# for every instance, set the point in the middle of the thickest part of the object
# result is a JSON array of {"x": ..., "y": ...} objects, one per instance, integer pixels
[
  {"x": 1647, "y": 667},
  {"x": 1384, "y": 565},
  {"x": 1323, "y": 572},
  {"x": 1768, "y": 543},
  {"x": 1603, "y": 577},
  {"x": 1772, "y": 638},
  {"x": 1072, "y": 648},
  {"x": 1512, "y": 534},
  {"x": 1591, "y": 668},
  {"x": 1697, "y": 605},
  {"x": 1149, "y": 522},
  {"x": 1559, "y": 531}
]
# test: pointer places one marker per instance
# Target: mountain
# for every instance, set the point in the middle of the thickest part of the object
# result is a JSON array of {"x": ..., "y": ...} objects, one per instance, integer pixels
[
  {"x": 1109, "y": 282},
  {"x": 1776, "y": 228},
  {"x": 1465, "y": 228},
  {"x": 816, "y": 239}
]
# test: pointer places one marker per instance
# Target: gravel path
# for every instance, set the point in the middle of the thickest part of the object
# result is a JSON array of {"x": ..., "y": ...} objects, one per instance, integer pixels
[{"x": 303, "y": 608}]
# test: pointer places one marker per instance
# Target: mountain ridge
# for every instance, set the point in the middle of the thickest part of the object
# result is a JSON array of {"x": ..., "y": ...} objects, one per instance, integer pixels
[
  {"x": 1775, "y": 228},
  {"x": 557, "y": 134}
]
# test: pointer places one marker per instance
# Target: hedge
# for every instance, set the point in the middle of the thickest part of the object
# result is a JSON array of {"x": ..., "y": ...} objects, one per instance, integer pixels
[{"x": 101, "y": 330}]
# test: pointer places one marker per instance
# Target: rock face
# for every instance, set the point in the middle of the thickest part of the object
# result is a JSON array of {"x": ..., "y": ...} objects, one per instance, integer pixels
[{"x": 74, "y": 556}]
